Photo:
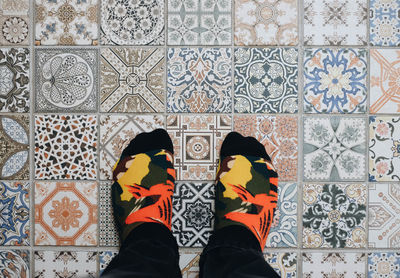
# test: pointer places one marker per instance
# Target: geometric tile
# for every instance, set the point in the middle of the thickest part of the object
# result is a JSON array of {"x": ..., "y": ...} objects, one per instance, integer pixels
[
  {"x": 14, "y": 263},
  {"x": 64, "y": 22},
  {"x": 14, "y": 22},
  {"x": 66, "y": 213},
  {"x": 384, "y": 215},
  {"x": 335, "y": 80},
  {"x": 65, "y": 147},
  {"x": 199, "y": 80},
  {"x": 385, "y": 22},
  {"x": 189, "y": 263},
  {"x": 334, "y": 215},
  {"x": 384, "y": 148},
  {"x": 14, "y": 213},
  {"x": 132, "y": 80},
  {"x": 266, "y": 80},
  {"x": 383, "y": 265},
  {"x": 105, "y": 258},
  {"x": 284, "y": 264},
  {"x": 334, "y": 148},
  {"x": 108, "y": 232},
  {"x": 66, "y": 80}
]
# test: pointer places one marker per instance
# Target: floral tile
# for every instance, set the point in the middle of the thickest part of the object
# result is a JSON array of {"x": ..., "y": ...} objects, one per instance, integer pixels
[
  {"x": 384, "y": 148},
  {"x": 384, "y": 22},
  {"x": 132, "y": 80},
  {"x": 105, "y": 257},
  {"x": 14, "y": 147},
  {"x": 14, "y": 263},
  {"x": 66, "y": 213},
  {"x": 284, "y": 264},
  {"x": 132, "y": 22},
  {"x": 14, "y": 76},
  {"x": 108, "y": 232},
  {"x": 64, "y": 22},
  {"x": 205, "y": 22},
  {"x": 66, "y": 80},
  {"x": 335, "y": 22},
  {"x": 14, "y": 22},
  {"x": 65, "y": 147},
  {"x": 383, "y": 265},
  {"x": 335, "y": 80},
  {"x": 199, "y": 80},
  {"x": 334, "y": 148},
  {"x": 197, "y": 141},
  {"x": 384, "y": 215},
  {"x": 266, "y": 80},
  {"x": 14, "y": 213},
  {"x": 115, "y": 134},
  {"x": 189, "y": 263},
  {"x": 266, "y": 22},
  {"x": 279, "y": 136},
  {"x": 334, "y": 215}
]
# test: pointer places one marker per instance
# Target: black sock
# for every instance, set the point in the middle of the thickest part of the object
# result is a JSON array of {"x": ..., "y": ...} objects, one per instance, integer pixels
[{"x": 236, "y": 144}]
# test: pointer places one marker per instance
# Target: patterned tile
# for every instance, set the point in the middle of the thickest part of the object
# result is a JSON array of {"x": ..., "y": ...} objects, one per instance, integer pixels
[
  {"x": 189, "y": 263},
  {"x": 335, "y": 22},
  {"x": 115, "y": 134},
  {"x": 197, "y": 140},
  {"x": 199, "y": 80},
  {"x": 334, "y": 148},
  {"x": 132, "y": 80},
  {"x": 206, "y": 22},
  {"x": 65, "y": 147},
  {"x": 108, "y": 232},
  {"x": 14, "y": 22},
  {"x": 284, "y": 264},
  {"x": 65, "y": 22},
  {"x": 14, "y": 147},
  {"x": 66, "y": 80},
  {"x": 14, "y": 263},
  {"x": 279, "y": 136},
  {"x": 384, "y": 215},
  {"x": 385, "y": 22},
  {"x": 335, "y": 80},
  {"x": 384, "y": 148},
  {"x": 105, "y": 258},
  {"x": 383, "y": 265},
  {"x": 266, "y": 22},
  {"x": 266, "y": 80}
]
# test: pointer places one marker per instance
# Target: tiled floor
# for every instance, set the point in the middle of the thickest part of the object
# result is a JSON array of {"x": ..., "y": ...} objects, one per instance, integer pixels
[{"x": 316, "y": 81}]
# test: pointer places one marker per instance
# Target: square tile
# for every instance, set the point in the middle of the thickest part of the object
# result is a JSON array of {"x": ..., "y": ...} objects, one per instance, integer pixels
[
  {"x": 14, "y": 76},
  {"x": 65, "y": 147},
  {"x": 266, "y": 80},
  {"x": 66, "y": 80},
  {"x": 384, "y": 148},
  {"x": 105, "y": 258},
  {"x": 14, "y": 22},
  {"x": 197, "y": 141},
  {"x": 335, "y": 80},
  {"x": 189, "y": 263},
  {"x": 284, "y": 264},
  {"x": 14, "y": 263},
  {"x": 334, "y": 148},
  {"x": 132, "y": 80},
  {"x": 205, "y": 22},
  {"x": 279, "y": 136},
  {"x": 383, "y": 265},
  {"x": 384, "y": 22},
  {"x": 108, "y": 232},
  {"x": 199, "y": 80},
  {"x": 335, "y": 22},
  {"x": 66, "y": 213},
  {"x": 65, "y": 22},
  {"x": 384, "y": 215},
  {"x": 266, "y": 22}
]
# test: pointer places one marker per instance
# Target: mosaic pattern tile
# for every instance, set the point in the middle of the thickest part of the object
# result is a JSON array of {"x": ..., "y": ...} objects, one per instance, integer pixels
[
  {"x": 266, "y": 80},
  {"x": 197, "y": 22},
  {"x": 14, "y": 263},
  {"x": 335, "y": 80},
  {"x": 383, "y": 265},
  {"x": 197, "y": 141},
  {"x": 65, "y": 147},
  {"x": 105, "y": 258},
  {"x": 64, "y": 22},
  {"x": 66, "y": 80},
  {"x": 284, "y": 264},
  {"x": 384, "y": 148},
  {"x": 189, "y": 263},
  {"x": 199, "y": 80},
  {"x": 108, "y": 231},
  {"x": 266, "y": 22},
  {"x": 132, "y": 80},
  {"x": 384, "y": 22},
  {"x": 334, "y": 148},
  {"x": 335, "y": 22},
  {"x": 14, "y": 22}
]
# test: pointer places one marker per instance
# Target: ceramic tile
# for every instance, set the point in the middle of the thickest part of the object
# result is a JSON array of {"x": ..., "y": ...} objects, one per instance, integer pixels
[
  {"x": 384, "y": 148},
  {"x": 199, "y": 80},
  {"x": 266, "y": 80},
  {"x": 284, "y": 264},
  {"x": 383, "y": 265},
  {"x": 335, "y": 80},
  {"x": 115, "y": 134},
  {"x": 384, "y": 22},
  {"x": 14, "y": 263},
  {"x": 266, "y": 22},
  {"x": 334, "y": 148},
  {"x": 384, "y": 215},
  {"x": 335, "y": 22},
  {"x": 105, "y": 258},
  {"x": 206, "y": 22},
  {"x": 279, "y": 136},
  {"x": 65, "y": 147},
  {"x": 14, "y": 151},
  {"x": 66, "y": 80},
  {"x": 197, "y": 141},
  {"x": 65, "y": 22},
  {"x": 108, "y": 232},
  {"x": 132, "y": 80},
  {"x": 189, "y": 263},
  {"x": 14, "y": 22}
]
